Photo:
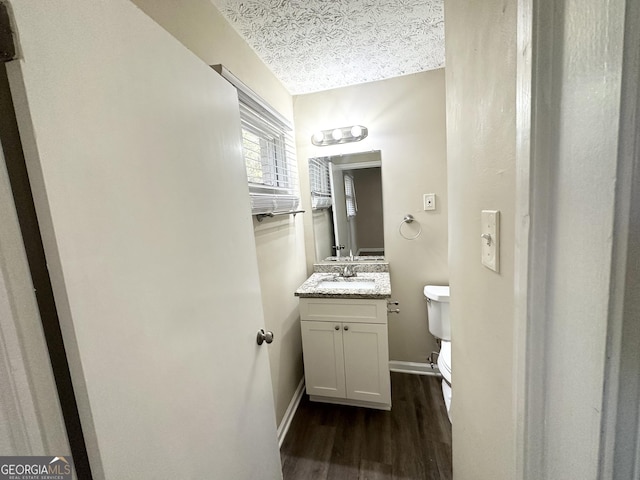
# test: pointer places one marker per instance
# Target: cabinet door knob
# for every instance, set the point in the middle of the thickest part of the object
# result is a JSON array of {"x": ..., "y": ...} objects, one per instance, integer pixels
[
  {"x": 337, "y": 327},
  {"x": 346, "y": 327}
]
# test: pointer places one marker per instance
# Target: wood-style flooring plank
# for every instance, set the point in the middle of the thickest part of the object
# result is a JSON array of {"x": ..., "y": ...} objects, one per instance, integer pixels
[
  {"x": 443, "y": 459},
  {"x": 411, "y": 442},
  {"x": 378, "y": 440},
  {"x": 314, "y": 462},
  {"x": 346, "y": 452},
  {"x": 374, "y": 471}
]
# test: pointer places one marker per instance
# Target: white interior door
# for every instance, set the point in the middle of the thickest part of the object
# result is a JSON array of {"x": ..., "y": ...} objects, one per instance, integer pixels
[
  {"x": 340, "y": 224},
  {"x": 133, "y": 151}
]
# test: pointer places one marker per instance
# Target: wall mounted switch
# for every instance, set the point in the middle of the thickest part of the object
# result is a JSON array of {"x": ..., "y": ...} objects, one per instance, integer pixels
[
  {"x": 490, "y": 239},
  {"x": 429, "y": 201}
]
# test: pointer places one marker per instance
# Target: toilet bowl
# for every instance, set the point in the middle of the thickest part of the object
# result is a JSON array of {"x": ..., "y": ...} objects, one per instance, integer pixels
[
  {"x": 444, "y": 365},
  {"x": 440, "y": 327}
]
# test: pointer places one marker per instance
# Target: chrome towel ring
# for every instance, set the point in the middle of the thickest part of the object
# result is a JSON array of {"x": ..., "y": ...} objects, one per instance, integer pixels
[{"x": 409, "y": 219}]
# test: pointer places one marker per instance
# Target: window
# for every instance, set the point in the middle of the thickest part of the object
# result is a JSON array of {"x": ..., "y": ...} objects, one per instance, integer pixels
[
  {"x": 268, "y": 150},
  {"x": 350, "y": 196},
  {"x": 320, "y": 183}
]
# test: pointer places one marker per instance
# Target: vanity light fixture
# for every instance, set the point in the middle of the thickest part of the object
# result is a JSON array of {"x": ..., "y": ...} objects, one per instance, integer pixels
[
  {"x": 336, "y": 136},
  {"x": 318, "y": 137}
]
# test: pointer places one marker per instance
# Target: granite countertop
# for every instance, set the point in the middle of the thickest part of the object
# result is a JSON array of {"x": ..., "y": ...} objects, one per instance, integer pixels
[
  {"x": 362, "y": 267},
  {"x": 311, "y": 287}
]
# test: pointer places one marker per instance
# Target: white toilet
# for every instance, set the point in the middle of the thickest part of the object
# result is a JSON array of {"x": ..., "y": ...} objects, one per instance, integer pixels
[{"x": 440, "y": 327}]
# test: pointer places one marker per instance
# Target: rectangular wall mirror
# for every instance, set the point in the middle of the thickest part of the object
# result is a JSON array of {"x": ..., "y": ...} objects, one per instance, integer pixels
[{"x": 346, "y": 195}]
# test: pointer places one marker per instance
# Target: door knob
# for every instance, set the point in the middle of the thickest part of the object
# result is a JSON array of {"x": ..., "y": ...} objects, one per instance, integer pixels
[
  {"x": 264, "y": 337},
  {"x": 337, "y": 327},
  {"x": 346, "y": 327}
]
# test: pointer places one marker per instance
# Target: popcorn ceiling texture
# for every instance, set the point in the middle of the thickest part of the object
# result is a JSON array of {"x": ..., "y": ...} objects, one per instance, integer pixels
[{"x": 315, "y": 45}]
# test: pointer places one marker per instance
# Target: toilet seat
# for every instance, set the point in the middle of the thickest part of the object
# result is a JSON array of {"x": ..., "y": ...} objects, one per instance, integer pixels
[{"x": 444, "y": 361}]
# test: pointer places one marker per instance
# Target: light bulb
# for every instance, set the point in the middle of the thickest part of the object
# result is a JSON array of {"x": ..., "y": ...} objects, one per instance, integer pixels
[
  {"x": 337, "y": 134},
  {"x": 356, "y": 131},
  {"x": 318, "y": 137}
]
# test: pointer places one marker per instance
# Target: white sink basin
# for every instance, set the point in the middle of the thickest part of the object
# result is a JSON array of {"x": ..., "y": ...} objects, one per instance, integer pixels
[{"x": 347, "y": 284}]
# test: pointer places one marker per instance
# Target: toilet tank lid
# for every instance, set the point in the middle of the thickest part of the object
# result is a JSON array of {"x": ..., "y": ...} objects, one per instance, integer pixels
[{"x": 439, "y": 293}]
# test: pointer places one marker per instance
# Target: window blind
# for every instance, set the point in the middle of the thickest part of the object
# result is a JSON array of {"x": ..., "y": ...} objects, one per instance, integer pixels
[
  {"x": 269, "y": 152},
  {"x": 350, "y": 196},
  {"x": 320, "y": 183}
]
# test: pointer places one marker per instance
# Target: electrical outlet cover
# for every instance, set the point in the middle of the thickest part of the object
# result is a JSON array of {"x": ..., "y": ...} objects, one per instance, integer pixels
[{"x": 429, "y": 200}]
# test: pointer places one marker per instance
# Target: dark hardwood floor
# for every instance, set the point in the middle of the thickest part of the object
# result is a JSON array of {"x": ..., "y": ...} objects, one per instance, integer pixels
[{"x": 412, "y": 441}]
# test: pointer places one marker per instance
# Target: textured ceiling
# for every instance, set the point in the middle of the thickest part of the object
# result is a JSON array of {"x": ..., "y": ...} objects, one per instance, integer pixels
[{"x": 316, "y": 45}]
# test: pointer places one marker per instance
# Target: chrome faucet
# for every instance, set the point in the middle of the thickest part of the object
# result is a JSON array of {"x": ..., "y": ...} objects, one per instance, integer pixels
[{"x": 349, "y": 271}]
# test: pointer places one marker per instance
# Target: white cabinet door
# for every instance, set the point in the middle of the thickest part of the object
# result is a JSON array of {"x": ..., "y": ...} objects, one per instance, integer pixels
[
  {"x": 366, "y": 362},
  {"x": 133, "y": 150},
  {"x": 346, "y": 360},
  {"x": 338, "y": 202},
  {"x": 323, "y": 358}
]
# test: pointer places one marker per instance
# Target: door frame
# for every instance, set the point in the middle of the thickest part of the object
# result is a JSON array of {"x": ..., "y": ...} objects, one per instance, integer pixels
[
  {"x": 539, "y": 48},
  {"x": 33, "y": 337},
  {"x": 23, "y": 433}
]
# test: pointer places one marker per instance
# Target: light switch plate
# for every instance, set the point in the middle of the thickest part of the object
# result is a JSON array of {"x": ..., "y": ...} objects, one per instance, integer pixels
[
  {"x": 429, "y": 201},
  {"x": 490, "y": 238}
]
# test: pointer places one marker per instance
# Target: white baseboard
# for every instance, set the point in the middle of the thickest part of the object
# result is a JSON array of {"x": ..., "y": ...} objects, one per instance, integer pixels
[
  {"x": 283, "y": 428},
  {"x": 414, "y": 368}
]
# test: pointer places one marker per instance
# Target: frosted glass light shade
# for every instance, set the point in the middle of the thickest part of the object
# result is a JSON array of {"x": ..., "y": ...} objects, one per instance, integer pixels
[{"x": 335, "y": 136}]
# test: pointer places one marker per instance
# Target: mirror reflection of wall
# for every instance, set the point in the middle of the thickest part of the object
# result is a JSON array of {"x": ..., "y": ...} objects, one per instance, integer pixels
[
  {"x": 368, "y": 221},
  {"x": 353, "y": 218}
]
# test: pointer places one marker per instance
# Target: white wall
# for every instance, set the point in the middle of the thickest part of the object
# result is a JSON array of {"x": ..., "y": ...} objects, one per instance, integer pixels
[
  {"x": 279, "y": 242},
  {"x": 481, "y": 135},
  {"x": 580, "y": 199},
  {"x": 406, "y": 121}
]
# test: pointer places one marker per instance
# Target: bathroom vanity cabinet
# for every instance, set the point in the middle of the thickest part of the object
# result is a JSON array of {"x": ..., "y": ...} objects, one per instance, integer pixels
[{"x": 345, "y": 349}]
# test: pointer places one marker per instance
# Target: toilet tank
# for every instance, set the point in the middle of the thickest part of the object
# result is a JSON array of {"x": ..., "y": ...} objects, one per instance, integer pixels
[{"x": 438, "y": 311}]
